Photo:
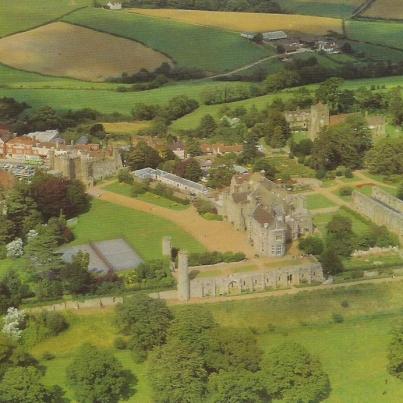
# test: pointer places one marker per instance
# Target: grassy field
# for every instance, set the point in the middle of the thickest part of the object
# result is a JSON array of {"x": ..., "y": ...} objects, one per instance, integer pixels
[
  {"x": 250, "y": 22},
  {"x": 380, "y": 33},
  {"x": 66, "y": 50},
  {"x": 143, "y": 231},
  {"x": 20, "y": 15},
  {"x": 317, "y": 201},
  {"x": 125, "y": 190},
  {"x": 353, "y": 353},
  {"x": 104, "y": 100},
  {"x": 328, "y": 8},
  {"x": 190, "y": 46},
  {"x": 385, "y": 9}
]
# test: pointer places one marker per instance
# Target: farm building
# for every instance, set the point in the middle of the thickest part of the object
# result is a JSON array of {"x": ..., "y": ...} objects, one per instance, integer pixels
[
  {"x": 275, "y": 35},
  {"x": 47, "y": 136}
]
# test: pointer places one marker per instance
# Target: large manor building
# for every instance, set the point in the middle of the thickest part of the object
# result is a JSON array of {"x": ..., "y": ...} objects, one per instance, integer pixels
[{"x": 269, "y": 214}]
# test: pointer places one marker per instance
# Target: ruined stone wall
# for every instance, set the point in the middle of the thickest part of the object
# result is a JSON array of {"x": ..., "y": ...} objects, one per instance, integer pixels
[
  {"x": 258, "y": 281},
  {"x": 379, "y": 212},
  {"x": 100, "y": 169},
  {"x": 386, "y": 198}
]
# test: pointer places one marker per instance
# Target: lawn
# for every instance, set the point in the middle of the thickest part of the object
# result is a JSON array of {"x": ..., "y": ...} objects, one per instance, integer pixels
[
  {"x": 143, "y": 231},
  {"x": 360, "y": 226},
  {"x": 20, "y": 15},
  {"x": 148, "y": 197},
  {"x": 374, "y": 261},
  {"x": 379, "y": 33},
  {"x": 286, "y": 166},
  {"x": 205, "y": 48},
  {"x": 353, "y": 353},
  {"x": 317, "y": 201}
]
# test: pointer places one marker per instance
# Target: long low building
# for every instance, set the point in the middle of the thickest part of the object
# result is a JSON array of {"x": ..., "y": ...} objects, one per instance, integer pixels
[{"x": 171, "y": 180}]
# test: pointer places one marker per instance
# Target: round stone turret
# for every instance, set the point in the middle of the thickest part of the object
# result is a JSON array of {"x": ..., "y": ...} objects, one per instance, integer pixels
[
  {"x": 167, "y": 246},
  {"x": 183, "y": 277}
]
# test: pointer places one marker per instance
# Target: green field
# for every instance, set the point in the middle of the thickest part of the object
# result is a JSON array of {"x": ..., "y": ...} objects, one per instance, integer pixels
[
  {"x": 143, "y": 231},
  {"x": 105, "y": 101},
  {"x": 193, "y": 46},
  {"x": 325, "y": 8},
  {"x": 21, "y": 15},
  {"x": 353, "y": 353},
  {"x": 317, "y": 201},
  {"x": 126, "y": 190},
  {"x": 379, "y": 33}
]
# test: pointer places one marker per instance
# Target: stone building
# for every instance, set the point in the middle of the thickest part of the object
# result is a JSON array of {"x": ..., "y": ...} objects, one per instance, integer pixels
[
  {"x": 312, "y": 120},
  {"x": 269, "y": 215},
  {"x": 85, "y": 165},
  {"x": 382, "y": 208},
  {"x": 304, "y": 271}
]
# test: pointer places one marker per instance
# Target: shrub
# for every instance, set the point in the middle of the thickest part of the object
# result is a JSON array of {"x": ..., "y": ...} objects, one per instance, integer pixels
[
  {"x": 348, "y": 173},
  {"x": 138, "y": 189},
  {"x": 204, "y": 206},
  {"x": 346, "y": 191},
  {"x": 124, "y": 176},
  {"x": 120, "y": 343},
  {"x": 47, "y": 356},
  {"x": 54, "y": 322},
  {"x": 209, "y": 258},
  {"x": 345, "y": 304},
  {"x": 337, "y": 318}
]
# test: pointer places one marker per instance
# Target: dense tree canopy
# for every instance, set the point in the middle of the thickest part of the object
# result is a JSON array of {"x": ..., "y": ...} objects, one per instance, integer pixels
[
  {"x": 95, "y": 375},
  {"x": 292, "y": 374},
  {"x": 23, "y": 385},
  {"x": 240, "y": 386},
  {"x": 386, "y": 157},
  {"x": 344, "y": 144},
  {"x": 146, "y": 320}
]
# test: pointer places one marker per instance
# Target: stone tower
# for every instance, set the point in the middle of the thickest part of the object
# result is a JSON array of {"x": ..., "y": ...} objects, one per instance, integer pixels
[
  {"x": 320, "y": 118},
  {"x": 167, "y": 246},
  {"x": 183, "y": 277}
]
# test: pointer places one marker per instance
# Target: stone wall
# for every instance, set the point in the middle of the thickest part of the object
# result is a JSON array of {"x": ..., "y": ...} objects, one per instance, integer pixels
[
  {"x": 258, "y": 281},
  {"x": 382, "y": 209}
]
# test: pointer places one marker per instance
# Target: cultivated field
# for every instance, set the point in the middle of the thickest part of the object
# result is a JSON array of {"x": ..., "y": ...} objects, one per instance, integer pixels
[
  {"x": 20, "y": 15},
  {"x": 380, "y": 33},
  {"x": 327, "y": 8},
  {"x": 254, "y": 22},
  {"x": 61, "y": 49},
  {"x": 387, "y": 9},
  {"x": 198, "y": 47}
]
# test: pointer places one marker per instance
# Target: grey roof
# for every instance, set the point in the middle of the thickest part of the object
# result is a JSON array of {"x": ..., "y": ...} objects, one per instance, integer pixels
[
  {"x": 270, "y": 36},
  {"x": 156, "y": 174}
]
